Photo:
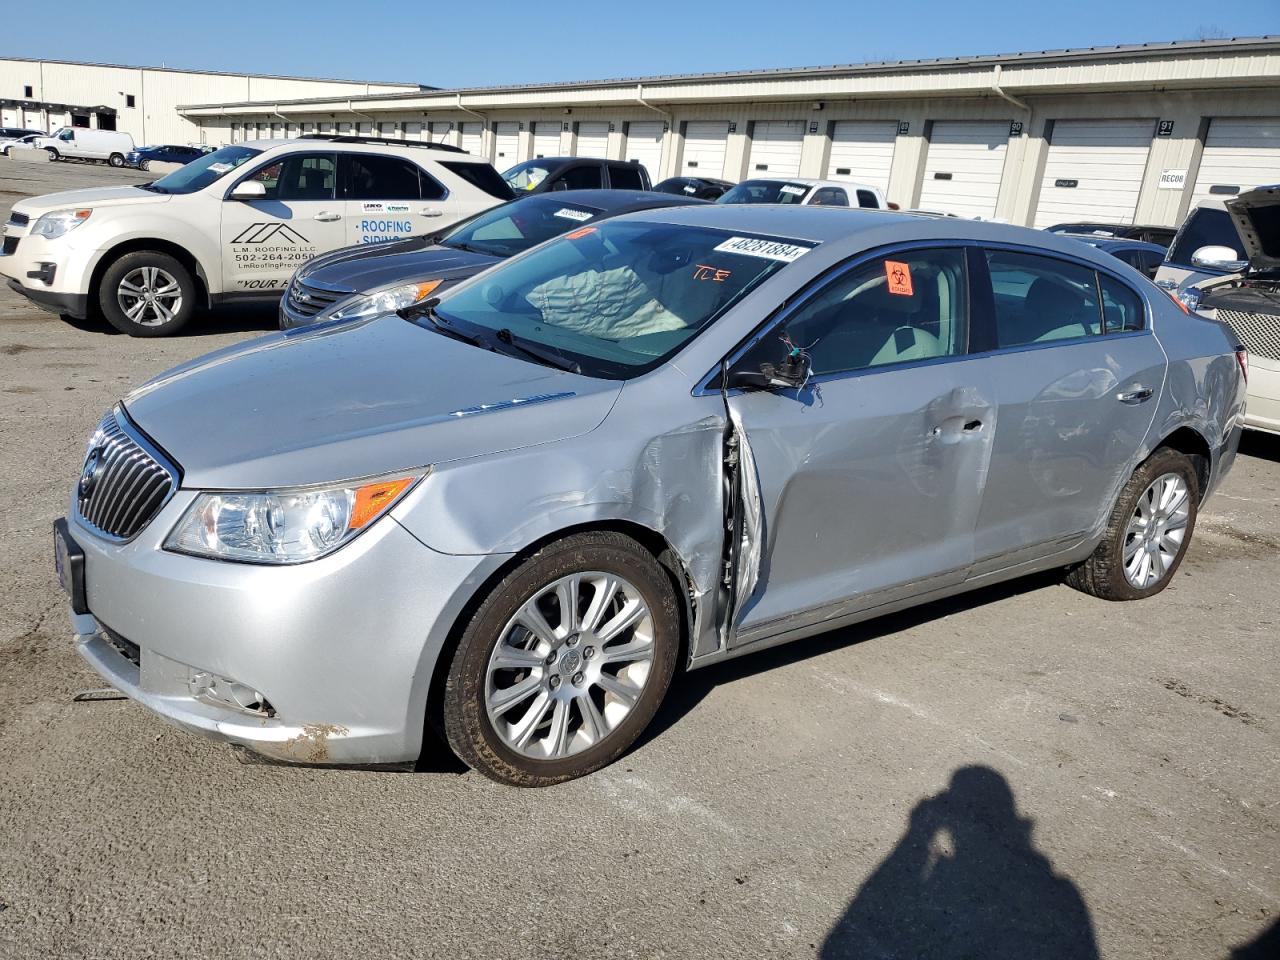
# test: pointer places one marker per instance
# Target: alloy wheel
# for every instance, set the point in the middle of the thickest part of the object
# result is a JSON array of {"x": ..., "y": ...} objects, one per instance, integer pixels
[
  {"x": 149, "y": 296},
  {"x": 570, "y": 665},
  {"x": 1156, "y": 532}
]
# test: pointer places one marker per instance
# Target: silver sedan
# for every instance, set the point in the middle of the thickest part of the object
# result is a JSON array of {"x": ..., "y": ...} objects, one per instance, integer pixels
[{"x": 653, "y": 443}]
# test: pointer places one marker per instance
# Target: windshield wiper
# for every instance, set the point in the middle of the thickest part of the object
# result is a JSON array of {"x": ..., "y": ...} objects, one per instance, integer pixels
[
  {"x": 427, "y": 308},
  {"x": 537, "y": 353}
]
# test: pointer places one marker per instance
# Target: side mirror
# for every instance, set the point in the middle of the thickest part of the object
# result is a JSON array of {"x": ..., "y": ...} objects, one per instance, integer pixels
[
  {"x": 1219, "y": 258},
  {"x": 248, "y": 190},
  {"x": 791, "y": 373}
]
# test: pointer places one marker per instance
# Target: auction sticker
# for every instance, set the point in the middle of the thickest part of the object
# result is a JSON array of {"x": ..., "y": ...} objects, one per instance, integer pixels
[
  {"x": 795, "y": 191},
  {"x": 570, "y": 214},
  {"x": 769, "y": 249}
]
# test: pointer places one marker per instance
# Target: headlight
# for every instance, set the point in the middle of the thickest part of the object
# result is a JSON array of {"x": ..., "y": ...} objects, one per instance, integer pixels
[
  {"x": 1190, "y": 298},
  {"x": 385, "y": 301},
  {"x": 54, "y": 225},
  {"x": 283, "y": 526}
]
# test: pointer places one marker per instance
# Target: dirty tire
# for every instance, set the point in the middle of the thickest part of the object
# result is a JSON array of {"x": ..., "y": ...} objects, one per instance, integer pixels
[
  {"x": 53, "y": 154},
  {"x": 123, "y": 267},
  {"x": 1102, "y": 575},
  {"x": 466, "y": 723},
  {"x": 116, "y": 160}
]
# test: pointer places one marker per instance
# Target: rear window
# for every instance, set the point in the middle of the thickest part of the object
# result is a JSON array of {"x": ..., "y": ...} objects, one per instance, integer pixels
[
  {"x": 766, "y": 191},
  {"x": 481, "y": 176},
  {"x": 625, "y": 177},
  {"x": 1205, "y": 227}
]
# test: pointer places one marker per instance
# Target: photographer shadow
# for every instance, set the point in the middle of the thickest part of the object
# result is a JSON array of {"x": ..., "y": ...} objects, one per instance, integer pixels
[{"x": 965, "y": 881}]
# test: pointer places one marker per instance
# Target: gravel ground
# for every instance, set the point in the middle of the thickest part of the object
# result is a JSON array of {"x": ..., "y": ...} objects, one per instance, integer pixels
[{"x": 1023, "y": 772}]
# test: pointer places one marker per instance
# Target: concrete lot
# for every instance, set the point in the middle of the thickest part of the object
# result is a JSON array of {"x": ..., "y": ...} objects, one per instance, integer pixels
[{"x": 1025, "y": 772}]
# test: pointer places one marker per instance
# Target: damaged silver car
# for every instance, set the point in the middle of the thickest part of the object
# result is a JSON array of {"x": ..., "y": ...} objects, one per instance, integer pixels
[{"x": 653, "y": 443}]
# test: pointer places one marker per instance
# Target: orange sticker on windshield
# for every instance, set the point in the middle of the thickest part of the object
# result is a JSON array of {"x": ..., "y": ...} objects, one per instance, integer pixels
[
  {"x": 579, "y": 233},
  {"x": 899, "y": 276},
  {"x": 703, "y": 272}
]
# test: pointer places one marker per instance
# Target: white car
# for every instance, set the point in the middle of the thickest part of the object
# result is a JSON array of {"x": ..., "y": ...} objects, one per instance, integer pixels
[
  {"x": 805, "y": 192},
  {"x": 28, "y": 140},
  {"x": 82, "y": 143},
  {"x": 1238, "y": 282},
  {"x": 232, "y": 225}
]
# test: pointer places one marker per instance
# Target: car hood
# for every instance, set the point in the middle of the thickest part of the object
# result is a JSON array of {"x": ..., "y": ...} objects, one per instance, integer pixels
[
  {"x": 95, "y": 197},
  {"x": 356, "y": 399},
  {"x": 1257, "y": 217},
  {"x": 362, "y": 268}
]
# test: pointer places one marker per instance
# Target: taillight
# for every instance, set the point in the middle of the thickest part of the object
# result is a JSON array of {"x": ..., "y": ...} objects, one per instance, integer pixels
[{"x": 1242, "y": 358}]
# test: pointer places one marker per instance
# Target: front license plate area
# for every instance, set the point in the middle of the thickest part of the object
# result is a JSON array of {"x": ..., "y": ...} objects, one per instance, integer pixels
[{"x": 68, "y": 559}]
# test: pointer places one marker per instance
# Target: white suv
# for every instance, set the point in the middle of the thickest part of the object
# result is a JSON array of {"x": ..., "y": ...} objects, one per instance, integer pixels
[{"x": 233, "y": 225}]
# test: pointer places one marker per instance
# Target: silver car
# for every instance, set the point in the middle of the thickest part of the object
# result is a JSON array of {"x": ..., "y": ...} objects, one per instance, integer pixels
[{"x": 654, "y": 443}]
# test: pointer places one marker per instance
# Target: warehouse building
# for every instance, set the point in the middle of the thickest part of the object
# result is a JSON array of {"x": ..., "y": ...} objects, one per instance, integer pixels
[
  {"x": 1120, "y": 134},
  {"x": 143, "y": 101}
]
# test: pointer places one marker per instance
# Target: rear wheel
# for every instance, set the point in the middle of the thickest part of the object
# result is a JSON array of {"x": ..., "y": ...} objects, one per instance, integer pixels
[
  {"x": 147, "y": 294},
  {"x": 116, "y": 160},
  {"x": 565, "y": 663},
  {"x": 1148, "y": 532},
  {"x": 53, "y": 153}
]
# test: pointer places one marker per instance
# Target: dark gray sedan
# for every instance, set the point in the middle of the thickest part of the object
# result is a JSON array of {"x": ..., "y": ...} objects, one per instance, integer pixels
[
  {"x": 368, "y": 279},
  {"x": 657, "y": 441}
]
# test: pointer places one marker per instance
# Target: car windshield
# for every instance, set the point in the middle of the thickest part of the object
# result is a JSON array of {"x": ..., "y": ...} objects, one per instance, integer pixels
[
  {"x": 526, "y": 176},
  {"x": 620, "y": 297},
  {"x": 515, "y": 227},
  {"x": 765, "y": 191},
  {"x": 200, "y": 173}
]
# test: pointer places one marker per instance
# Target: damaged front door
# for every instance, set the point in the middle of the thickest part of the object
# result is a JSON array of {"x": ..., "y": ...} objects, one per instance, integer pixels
[{"x": 869, "y": 477}]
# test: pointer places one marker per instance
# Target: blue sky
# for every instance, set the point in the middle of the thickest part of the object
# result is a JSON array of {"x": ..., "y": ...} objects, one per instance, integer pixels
[{"x": 496, "y": 42}]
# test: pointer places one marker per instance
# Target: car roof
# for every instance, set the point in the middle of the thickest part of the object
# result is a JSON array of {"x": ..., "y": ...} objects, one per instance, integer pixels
[
  {"x": 350, "y": 147},
  {"x": 1110, "y": 244},
  {"x": 614, "y": 201},
  {"x": 811, "y": 182}
]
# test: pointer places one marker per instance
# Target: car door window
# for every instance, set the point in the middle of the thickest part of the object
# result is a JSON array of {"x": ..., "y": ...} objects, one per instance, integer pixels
[
  {"x": 898, "y": 308},
  {"x": 579, "y": 178},
  {"x": 623, "y": 176},
  {"x": 830, "y": 197},
  {"x": 302, "y": 176},
  {"x": 1040, "y": 299},
  {"x": 374, "y": 177},
  {"x": 868, "y": 199},
  {"x": 1205, "y": 227},
  {"x": 1122, "y": 309}
]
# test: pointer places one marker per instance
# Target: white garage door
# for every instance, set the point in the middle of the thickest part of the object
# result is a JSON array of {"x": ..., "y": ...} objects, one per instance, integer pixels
[
  {"x": 963, "y": 169},
  {"x": 1239, "y": 153},
  {"x": 644, "y": 144},
  {"x": 506, "y": 145},
  {"x": 775, "y": 148},
  {"x": 593, "y": 138},
  {"x": 1093, "y": 170},
  {"x": 862, "y": 152},
  {"x": 546, "y": 139},
  {"x": 471, "y": 138},
  {"x": 704, "y": 143}
]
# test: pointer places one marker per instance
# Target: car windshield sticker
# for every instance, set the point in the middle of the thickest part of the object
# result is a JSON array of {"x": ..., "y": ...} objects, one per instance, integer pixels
[
  {"x": 579, "y": 234},
  {"x": 690, "y": 188},
  {"x": 899, "y": 277},
  {"x": 769, "y": 249},
  {"x": 570, "y": 214},
  {"x": 219, "y": 167},
  {"x": 795, "y": 191},
  {"x": 702, "y": 271}
]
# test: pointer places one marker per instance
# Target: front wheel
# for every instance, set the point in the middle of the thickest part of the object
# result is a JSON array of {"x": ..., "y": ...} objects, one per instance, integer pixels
[
  {"x": 53, "y": 154},
  {"x": 147, "y": 294},
  {"x": 116, "y": 160},
  {"x": 144, "y": 164},
  {"x": 1148, "y": 532},
  {"x": 565, "y": 663}
]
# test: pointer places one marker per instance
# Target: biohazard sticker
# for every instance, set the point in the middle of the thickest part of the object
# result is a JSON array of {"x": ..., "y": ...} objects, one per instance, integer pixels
[
  {"x": 570, "y": 214},
  {"x": 899, "y": 277},
  {"x": 768, "y": 249}
]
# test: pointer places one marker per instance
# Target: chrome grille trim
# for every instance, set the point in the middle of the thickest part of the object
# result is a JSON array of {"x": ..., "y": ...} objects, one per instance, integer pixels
[
  {"x": 317, "y": 298},
  {"x": 1259, "y": 332},
  {"x": 132, "y": 481}
]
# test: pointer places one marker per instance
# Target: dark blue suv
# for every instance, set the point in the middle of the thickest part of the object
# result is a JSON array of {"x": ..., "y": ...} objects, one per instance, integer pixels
[{"x": 143, "y": 157}]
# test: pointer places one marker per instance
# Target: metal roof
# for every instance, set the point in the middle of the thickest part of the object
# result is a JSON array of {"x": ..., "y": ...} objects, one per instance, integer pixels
[{"x": 416, "y": 87}]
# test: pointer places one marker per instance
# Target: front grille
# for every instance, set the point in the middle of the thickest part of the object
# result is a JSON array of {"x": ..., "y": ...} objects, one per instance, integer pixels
[
  {"x": 126, "y": 648},
  {"x": 306, "y": 300},
  {"x": 18, "y": 219},
  {"x": 10, "y": 246},
  {"x": 1260, "y": 332},
  {"x": 124, "y": 481}
]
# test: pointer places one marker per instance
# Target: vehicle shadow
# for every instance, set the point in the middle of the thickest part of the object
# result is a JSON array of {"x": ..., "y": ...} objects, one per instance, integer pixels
[
  {"x": 965, "y": 881},
  {"x": 236, "y": 318},
  {"x": 1266, "y": 946},
  {"x": 688, "y": 689},
  {"x": 1264, "y": 446}
]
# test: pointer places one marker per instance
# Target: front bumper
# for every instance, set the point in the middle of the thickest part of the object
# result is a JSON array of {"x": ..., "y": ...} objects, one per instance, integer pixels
[
  {"x": 343, "y": 648},
  {"x": 72, "y": 304},
  {"x": 46, "y": 272}
]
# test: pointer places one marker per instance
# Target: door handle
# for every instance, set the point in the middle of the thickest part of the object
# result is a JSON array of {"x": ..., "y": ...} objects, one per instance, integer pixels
[
  {"x": 1167, "y": 284},
  {"x": 1140, "y": 395},
  {"x": 325, "y": 217},
  {"x": 431, "y": 212},
  {"x": 956, "y": 428}
]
